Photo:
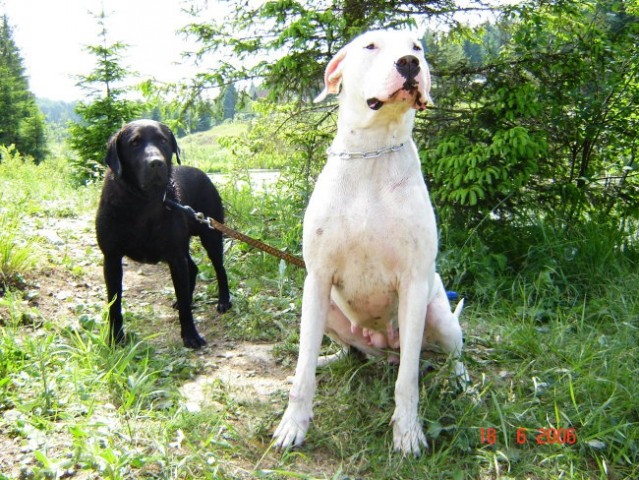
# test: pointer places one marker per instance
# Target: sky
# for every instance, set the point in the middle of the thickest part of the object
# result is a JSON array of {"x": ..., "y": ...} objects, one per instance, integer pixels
[{"x": 52, "y": 36}]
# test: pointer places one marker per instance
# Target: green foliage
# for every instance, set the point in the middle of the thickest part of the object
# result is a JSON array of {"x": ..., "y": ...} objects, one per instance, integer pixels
[
  {"x": 229, "y": 102},
  {"x": 16, "y": 257},
  {"x": 532, "y": 143},
  {"x": 186, "y": 111},
  {"x": 57, "y": 112},
  {"x": 21, "y": 122},
  {"x": 547, "y": 118},
  {"x": 295, "y": 39},
  {"x": 106, "y": 113},
  {"x": 293, "y": 137},
  {"x": 16, "y": 254},
  {"x": 206, "y": 150},
  {"x": 485, "y": 171},
  {"x": 101, "y": 119}
]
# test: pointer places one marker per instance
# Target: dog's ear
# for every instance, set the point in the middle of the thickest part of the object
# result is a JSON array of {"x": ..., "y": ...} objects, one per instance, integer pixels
[
  {"x": 174, "y": 145},
  {"x": 112, "y": 158},
  {"x": 332, "y": 76}
]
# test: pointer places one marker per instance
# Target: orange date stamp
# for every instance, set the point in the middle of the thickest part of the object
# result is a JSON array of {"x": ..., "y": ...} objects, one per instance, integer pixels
[{"x": 539, "y": 436}]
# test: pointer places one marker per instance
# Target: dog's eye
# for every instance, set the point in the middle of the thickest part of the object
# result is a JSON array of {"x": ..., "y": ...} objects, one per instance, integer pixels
[
  {"x": 135, "y": 142},
  {"x": 370, "y": 46},
  {"x": 417, "y": 48}
]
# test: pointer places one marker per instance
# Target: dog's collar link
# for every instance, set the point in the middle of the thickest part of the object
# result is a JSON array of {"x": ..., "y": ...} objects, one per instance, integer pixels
[{"x": 373, "y": 154}]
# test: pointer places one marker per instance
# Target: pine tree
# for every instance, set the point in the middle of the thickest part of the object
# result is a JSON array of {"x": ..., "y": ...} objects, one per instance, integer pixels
[
  {"x": 21, "y": 121},
  {"x": 229, "y": 102},
  {"x": 107, "y": 111}
]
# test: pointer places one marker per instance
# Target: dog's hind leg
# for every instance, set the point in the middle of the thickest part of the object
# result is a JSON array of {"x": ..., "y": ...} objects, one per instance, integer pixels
[
  {"x": 212, "y": 242},
  {"x": 113, "y": 279},
  {"x": 443, "y": 328},
  {"x": 192, "y": 274}
]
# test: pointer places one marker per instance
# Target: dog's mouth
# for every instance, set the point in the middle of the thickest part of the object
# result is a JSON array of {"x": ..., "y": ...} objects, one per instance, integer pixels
[
  {"x": 154, "y": 181},
  {"x": 410, "y": 89},
  {"x": 374, "y": 103}
]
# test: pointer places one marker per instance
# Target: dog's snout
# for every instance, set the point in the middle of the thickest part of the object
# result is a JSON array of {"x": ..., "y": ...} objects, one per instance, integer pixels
[
  {"x": 154, "y": 157},
  {"x": 408, "y": 66},
  {"x": 155, "y": 163}
]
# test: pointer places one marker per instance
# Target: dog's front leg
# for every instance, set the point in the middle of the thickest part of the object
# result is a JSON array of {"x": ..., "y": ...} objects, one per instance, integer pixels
[
  {"x": 295, "y": 422},
  {"x": 408, "y": 436},
  {"x": 113, "y": 278},
  {"x": 180, "y": 275}
]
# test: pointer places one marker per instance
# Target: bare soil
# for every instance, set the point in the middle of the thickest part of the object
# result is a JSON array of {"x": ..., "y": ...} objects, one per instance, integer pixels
[
  {"x": 70, "y": 280},
  {"x": 249, "y": 367}
]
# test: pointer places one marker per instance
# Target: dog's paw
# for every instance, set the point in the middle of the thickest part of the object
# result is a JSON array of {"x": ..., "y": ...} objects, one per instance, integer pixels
[
  {"x": 461, "y": 375},
  {"x": 193, "y": 341},
  {"x": 292, "y": 428},
  {"x": 224, "y": 307},
  {"x": 408, "y": 436}
]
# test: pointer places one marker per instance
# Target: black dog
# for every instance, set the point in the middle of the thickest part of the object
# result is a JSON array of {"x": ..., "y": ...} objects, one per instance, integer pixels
[{"x": 133, "y": 219}]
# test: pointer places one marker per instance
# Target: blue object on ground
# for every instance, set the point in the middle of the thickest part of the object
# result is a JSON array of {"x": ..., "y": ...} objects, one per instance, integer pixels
[{"x": 452, "y": 295}]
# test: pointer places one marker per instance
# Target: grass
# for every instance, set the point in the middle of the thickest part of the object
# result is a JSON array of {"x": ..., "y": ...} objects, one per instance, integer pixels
[
  {"x": 204, "y": 149},
  {"x": 14, "y": 257},
  {"x": 224, "y": 149},
  {"x": 72, "y": 407}
]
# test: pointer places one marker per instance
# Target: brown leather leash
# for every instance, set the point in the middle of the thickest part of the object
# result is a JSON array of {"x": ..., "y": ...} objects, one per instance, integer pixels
[{"x": 226, "y": 230}]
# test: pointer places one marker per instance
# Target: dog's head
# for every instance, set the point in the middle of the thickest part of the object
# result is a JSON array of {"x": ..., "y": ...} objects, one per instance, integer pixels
[
  {"x": 380, "y": 68},
  {"x": 140, "y": 153}
]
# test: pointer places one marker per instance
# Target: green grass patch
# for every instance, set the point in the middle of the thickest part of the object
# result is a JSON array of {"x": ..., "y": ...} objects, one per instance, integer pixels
[
  {"x": 225, "y": 149},
  {"x": 208, "y": 150}
]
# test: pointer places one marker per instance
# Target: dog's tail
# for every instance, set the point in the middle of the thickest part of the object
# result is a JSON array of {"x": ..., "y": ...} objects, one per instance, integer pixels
[{"x": 458, "y": 308}]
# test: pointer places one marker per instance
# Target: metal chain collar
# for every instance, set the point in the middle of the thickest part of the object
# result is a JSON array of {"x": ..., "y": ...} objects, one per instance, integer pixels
[{"x": 373, "y": 154}]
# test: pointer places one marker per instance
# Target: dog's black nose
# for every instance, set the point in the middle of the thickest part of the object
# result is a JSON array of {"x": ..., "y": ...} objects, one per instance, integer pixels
[
  {"x": 155, "y": 163},
  {"x": 408, "y": 66}
]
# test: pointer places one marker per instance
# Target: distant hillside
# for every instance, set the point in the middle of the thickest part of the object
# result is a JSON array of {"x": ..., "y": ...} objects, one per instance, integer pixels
[
  {"x": 57, "y": 111},
  {"x": 203, "y": 149},
  {"x": 211, "y": 136}
]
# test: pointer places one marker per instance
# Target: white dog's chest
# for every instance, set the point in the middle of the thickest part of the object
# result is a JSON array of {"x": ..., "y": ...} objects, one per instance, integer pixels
[{"x": 370, "y": 236}]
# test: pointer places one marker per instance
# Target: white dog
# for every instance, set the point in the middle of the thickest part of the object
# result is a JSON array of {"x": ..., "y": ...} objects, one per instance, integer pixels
[{"x": 370, "y": 238}]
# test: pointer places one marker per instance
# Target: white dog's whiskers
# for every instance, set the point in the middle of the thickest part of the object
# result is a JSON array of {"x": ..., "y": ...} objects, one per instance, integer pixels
[{"x": 371, "y": 154}]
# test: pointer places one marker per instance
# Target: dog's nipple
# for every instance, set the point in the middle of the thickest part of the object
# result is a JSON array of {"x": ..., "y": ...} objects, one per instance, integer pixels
[{"x": 374, "y": 103}]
